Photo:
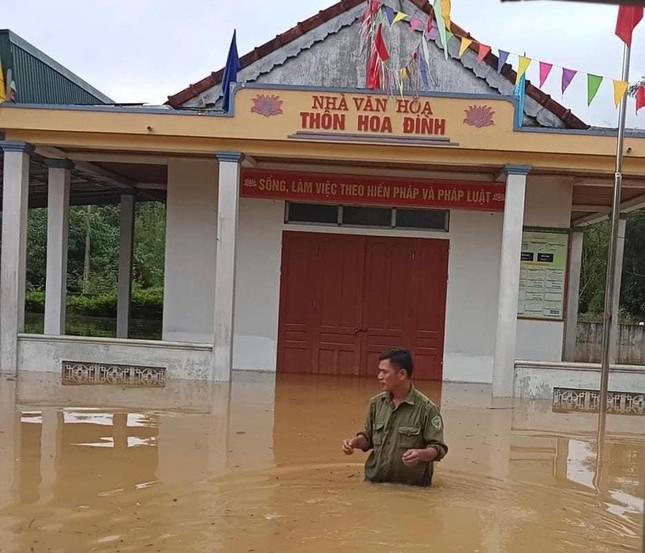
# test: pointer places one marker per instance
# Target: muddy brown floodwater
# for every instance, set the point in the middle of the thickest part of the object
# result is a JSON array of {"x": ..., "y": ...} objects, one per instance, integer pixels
[{"x": 257, "y": 467}]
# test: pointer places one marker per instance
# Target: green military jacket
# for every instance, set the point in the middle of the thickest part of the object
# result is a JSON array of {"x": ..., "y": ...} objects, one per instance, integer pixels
[{"x": 390, "y": 432}]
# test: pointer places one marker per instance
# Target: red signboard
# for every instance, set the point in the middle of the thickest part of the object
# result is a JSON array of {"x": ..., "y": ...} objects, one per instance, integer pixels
[{"x": 363, "y": 190}]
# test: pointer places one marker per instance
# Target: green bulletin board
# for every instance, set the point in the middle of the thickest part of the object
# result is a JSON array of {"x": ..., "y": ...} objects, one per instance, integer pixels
[{"x": 543, "y": 274}]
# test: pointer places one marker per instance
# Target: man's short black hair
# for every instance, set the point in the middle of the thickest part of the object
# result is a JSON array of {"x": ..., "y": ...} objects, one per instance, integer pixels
[{"x": 400, "y": 359}]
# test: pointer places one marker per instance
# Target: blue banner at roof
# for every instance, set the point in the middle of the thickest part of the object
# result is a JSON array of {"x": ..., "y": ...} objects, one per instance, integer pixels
[
  {"x": 520, "y": 91},
  {"x": 389, "y": 13},
  {"x": 230, "y": 72}
]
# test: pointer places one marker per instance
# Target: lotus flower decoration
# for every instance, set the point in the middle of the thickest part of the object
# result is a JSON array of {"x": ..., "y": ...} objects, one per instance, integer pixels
[
  {"x": 479, "y": 116},
  {"x": 266, "y": 105}
]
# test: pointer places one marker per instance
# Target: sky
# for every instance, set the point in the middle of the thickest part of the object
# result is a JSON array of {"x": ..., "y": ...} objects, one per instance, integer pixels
[{"x": 145, "y": 50}]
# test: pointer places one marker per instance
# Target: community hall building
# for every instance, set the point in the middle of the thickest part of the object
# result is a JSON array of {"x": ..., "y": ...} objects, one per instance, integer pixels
[{"x": 316, "y": 223}]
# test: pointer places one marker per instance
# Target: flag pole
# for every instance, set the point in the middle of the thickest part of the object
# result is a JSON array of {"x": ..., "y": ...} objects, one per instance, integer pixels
[{"x": 609, "y": 314}]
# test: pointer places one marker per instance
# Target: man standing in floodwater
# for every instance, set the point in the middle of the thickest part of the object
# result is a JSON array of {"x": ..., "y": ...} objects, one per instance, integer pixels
[{"x": 404, "y": 429}]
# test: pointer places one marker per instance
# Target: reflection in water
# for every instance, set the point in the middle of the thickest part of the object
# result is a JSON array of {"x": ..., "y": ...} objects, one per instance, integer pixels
[{"x": 256, "y": 466}]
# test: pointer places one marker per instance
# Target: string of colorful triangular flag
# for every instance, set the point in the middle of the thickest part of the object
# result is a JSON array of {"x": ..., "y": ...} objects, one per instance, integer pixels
[{"x": 379, "y": 19}]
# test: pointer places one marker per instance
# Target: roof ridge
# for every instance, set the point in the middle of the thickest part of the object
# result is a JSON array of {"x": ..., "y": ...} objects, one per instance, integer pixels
[{"x": 311, "y": 23}]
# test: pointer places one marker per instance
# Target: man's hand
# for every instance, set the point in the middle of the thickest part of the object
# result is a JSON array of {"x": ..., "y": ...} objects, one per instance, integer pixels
[
  {"x": 357, "y": 442},
  {"x": 348, "y": 446},
  {"x": 413, "y": 457}
]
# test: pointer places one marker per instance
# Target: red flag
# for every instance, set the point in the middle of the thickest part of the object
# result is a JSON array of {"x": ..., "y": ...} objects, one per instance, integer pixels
[
  {"x": 380, "y": 46},
  {"x": 373, "y": 7},
  {"x": 483, "y": 52},
  {"x": 640, "y": 97},
  {"x": 373, "y": 71},
  {"x": 628, "y": 18}
]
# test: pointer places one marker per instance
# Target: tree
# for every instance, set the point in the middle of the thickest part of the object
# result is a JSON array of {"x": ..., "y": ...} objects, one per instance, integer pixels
[
  {"x": 36, "y": 249},
  {"x": 103, "y": 225},
  {"x": 594, "y": 268},
  {"x": 633, "y": 285},
  {"x": 93, "y": 254},
  {"x": 150, "y": 244}
]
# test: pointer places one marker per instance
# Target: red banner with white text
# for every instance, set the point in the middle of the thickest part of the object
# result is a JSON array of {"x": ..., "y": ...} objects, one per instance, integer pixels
[{"x": 367, "y": 190}]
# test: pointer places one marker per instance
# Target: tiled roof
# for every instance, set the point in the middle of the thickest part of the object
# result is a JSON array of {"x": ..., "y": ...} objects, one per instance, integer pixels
[{"x": 194, "y": 90}]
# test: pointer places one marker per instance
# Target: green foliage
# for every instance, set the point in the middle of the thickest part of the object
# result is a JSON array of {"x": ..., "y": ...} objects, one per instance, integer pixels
[
  {"x": 101, "y": 226},
  {"x": 144, "y": 303},
  {"x": 35, "y": 301},
  {"x": 150, "y": 245},
  {"x": 36, "y": 248},
  {"x": 99, "y": 305},
  {"x": 594, "y": 270},
  {"x": 150, "y": 297},
  {"x": 633, "y": 286}
]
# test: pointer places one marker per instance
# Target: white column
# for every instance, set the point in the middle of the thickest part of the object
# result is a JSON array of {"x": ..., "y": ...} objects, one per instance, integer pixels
[
  {"x": 573, "y": 294},
  {"x": 9, "y": 439},
  {"x": 227, "y": 218},
  {"x": 615, "y": 325},
  {"x": 57, "y": 233},
  {"x": 126, "y": 246},
  {"x": 191, "y": 232},
  {"x": 50, "y": 433},
  {"x": 509, "y": 281},
  {"x": 14, "y": 250}
]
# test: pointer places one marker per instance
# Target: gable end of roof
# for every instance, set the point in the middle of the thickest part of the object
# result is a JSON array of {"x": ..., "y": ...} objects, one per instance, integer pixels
[{"x": 177, "y": 100}]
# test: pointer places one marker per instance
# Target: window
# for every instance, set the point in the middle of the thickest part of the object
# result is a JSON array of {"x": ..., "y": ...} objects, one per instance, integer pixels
[
  {"x": 366, "y": 216},
  {"x": 370, "y": 217},
  {"x": 422, "y": 219},
  {"x": 312, "y": 213}
]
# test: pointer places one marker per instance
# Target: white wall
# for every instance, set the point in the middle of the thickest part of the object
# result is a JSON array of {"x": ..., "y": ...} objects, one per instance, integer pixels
[
  {"x": 257, "y": 284},
  {"x": 548, "y": 202},
  {"x": 191, "y": 232},
  {"x": 472, "y": 287},
  {"x": 189, "y": 396},
  {"x": 548, "y": 205},
  {"x": 471, "y": 318},
  {"x": 181, "y": 361},
  {"x": 537, "y": 380}
]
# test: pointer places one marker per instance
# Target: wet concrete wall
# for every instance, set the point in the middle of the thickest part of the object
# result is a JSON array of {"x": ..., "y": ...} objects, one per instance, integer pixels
[
  {"x": 548, "y": 206},
  {"x": 535, "y": 380},
  {"x": 191, "y": 232},
  {"x": 631, "y": 350}
]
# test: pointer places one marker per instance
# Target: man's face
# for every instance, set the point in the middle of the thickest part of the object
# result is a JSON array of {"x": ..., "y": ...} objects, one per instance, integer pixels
[{"x": 390, "y": 377}]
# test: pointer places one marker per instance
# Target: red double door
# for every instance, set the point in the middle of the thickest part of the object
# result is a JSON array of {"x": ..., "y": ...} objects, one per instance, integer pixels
[{"x": 345, "y": 299}]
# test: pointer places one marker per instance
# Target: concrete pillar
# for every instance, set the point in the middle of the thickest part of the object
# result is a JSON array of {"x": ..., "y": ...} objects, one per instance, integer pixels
[
  {"x": 50, "y": 436},
  {"x": 15, "y": 196},
  {"x": 57, "y": 233},
  {"x": 191, "y": 247},
  {"x": 509, "y": 281},
  {"x": 615, "y": 324},
  {"x": 573, "y": 294},
  {"x": 126, "y": 247},
  {"x": 227, "y": 219},
  {"x": 9, "y": 440}
]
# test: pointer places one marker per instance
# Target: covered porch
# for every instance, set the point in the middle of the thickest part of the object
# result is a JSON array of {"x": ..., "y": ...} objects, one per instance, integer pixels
[{"x": 194, "y": 161}]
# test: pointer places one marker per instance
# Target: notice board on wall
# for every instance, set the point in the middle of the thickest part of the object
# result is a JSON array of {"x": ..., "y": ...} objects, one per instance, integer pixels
[{"x": 543, "y": 274}]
